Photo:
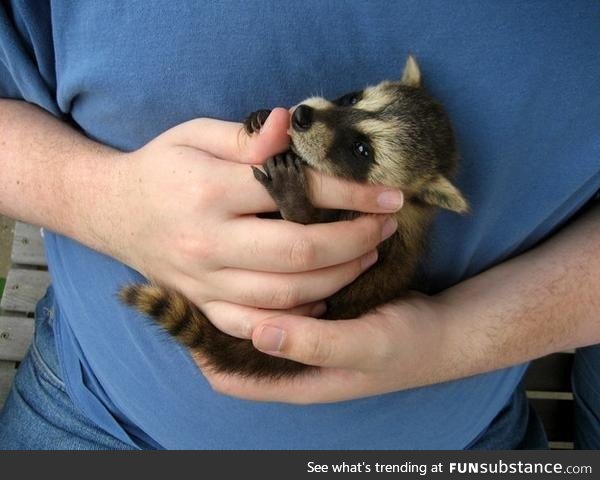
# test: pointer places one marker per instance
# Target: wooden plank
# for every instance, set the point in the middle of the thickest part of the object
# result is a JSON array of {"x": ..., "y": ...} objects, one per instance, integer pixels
[
  {"x": 550, "y": 374},
  {"x": 557, "y": 417},
  {"x": 23, "y": 289},
  {"x": 16, "y": 334},
  {"x": 561, "y": 445},
  {"x": 532, "y": 394},
  {"x": 28, "y": 246},
  {"x": 7, "y": 373}
]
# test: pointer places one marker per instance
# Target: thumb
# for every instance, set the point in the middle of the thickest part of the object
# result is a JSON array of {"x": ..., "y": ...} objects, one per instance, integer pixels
[
  {"x": 271, "y": 140},
  {"x": 322, "y": 343},
  {"x": 229, "y": 141}
]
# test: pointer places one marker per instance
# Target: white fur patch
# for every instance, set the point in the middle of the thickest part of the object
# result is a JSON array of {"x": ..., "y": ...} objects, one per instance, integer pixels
[
  {"x": 376, "y": 98},
  {"x": 318, "y": 103}
]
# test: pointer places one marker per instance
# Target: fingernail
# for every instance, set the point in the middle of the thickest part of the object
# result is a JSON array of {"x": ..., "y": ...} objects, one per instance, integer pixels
[
  {"x": 390, "y": 200},
  {"x": 270, "y": 339},
  {"x": 389, "y": 227},
  {"x": 318, "y": 310},
  {"x": 368, "y": 259}
]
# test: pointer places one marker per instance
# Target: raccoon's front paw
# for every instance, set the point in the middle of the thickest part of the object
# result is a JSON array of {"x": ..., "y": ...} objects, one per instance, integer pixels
[
  {"x": 286, "y": 182},
  {"x": 283, "y": 177},
  {"x": 255, "y": 121}
]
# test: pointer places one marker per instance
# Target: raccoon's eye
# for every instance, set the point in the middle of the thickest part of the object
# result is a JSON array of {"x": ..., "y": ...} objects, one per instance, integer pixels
[
  {"x": 348, "y": 100},
  {"x": 362, "y": 149}
]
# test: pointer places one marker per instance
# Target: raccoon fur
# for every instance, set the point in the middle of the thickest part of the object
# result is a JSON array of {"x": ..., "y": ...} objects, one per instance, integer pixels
[{"x": 393, "y": 134}]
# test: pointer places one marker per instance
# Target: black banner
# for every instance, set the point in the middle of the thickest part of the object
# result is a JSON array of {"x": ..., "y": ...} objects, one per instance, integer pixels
[{"x": 309, "y": 464}]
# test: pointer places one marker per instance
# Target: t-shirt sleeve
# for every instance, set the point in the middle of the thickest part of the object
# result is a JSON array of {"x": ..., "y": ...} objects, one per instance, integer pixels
[{"x": 27, "y": 54}]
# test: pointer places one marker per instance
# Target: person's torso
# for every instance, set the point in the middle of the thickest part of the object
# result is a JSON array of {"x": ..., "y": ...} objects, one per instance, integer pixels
[{"x": 518, "y": 82}]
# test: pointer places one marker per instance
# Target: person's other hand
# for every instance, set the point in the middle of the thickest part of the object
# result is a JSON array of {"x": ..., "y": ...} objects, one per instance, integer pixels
[{"x": 397, "y": 346}]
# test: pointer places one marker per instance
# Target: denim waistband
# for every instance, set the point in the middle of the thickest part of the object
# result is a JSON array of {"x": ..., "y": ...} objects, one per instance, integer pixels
[{"x": 43, "y": 349}]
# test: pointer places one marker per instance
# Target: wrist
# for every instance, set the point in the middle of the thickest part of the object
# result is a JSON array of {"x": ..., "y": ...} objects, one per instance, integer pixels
[
  {"x": 428, "y": 340},
  {"x": 451, "y": 355},
  {"x": 93, "y": 189},
  {"x": 502, "y": 317}
]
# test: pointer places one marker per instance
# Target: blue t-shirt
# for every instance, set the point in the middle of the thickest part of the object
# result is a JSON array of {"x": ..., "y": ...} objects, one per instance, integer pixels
[{"x": 519, "y": 79}]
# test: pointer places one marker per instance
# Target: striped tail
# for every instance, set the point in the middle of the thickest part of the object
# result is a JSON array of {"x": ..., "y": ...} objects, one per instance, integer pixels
[
  {"x": 219, "y": 351},
  {"x": 175, "y": 313}
]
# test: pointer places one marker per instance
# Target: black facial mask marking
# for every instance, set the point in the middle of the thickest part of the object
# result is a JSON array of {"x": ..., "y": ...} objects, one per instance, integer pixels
[{"x": 348, "y": 100}]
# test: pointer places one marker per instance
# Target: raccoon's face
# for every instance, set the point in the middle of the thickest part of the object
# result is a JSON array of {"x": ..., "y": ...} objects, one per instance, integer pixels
[{"x": 392, "y": 134}]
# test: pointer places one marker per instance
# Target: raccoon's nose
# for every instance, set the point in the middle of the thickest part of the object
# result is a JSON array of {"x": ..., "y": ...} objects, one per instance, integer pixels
[{"x": 302, "y": 118}]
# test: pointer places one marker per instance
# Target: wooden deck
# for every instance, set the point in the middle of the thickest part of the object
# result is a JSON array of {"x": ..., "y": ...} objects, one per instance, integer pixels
[
  {"x": 547, "y": 380},
  {"x": 26, "y": 283}
]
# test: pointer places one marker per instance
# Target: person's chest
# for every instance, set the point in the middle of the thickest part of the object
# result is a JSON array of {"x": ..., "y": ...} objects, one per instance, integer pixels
[
  {"x": 128, "y": 70},
  {"x": 520, "y": 100}
]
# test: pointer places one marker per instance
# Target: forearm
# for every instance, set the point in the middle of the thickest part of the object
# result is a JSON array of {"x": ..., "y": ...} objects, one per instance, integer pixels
[
  {"x": 52, "y": 175},
  {"x": 541, "y": 302}
]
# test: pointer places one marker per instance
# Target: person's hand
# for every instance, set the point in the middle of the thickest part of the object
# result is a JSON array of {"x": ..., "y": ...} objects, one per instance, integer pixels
[
  {"x": 397, "y": 346},
  {"x": 184, "y": 216},
  {"x": 540, "y": 302}
]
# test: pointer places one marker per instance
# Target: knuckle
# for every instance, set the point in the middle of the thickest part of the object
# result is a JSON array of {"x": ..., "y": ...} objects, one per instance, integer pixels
[
  {"x": 364, "y": 195},
  {"x": 250, "y": 297},
  {"x": 284, "y": 297},
  {"x": 385, "y": 351},
  {"x": 302, "y": 254},
  {"x": 385, "y": 354},
  {"x": 319, "y": 348},
  {"x": 351, "y": 195},
  {"x": 356, "y": 268},
  {"x": 203, "y": 252},
  {"x": 373, "y": 229},
  {"x": 369, "y": 232},
  {"x": 194, "y": 250}
]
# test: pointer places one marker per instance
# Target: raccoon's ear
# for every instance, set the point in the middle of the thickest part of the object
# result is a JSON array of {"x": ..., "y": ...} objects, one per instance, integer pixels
[
  {"x": 411, "y": 75},
  {"x": 441, "y": 193}
]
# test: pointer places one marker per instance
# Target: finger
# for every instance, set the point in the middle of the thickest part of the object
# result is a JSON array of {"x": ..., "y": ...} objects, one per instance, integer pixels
[
  {"x": 351, "y": 344},
  {"x": 247, "y": 195},
  {"x": 229, "y": 141},
  {"x": 278, "y": 246},
  {"x": 239, "y": 321},
  {"x": 325, "y": 385},
  {"x": 336, "y": 193},
  {"x": 285, "y": 290}
]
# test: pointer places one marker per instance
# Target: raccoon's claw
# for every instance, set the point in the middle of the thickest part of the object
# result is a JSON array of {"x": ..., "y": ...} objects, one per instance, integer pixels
[
  {"x": 255, "y": 121},
  {"x": 285, "y": 173},
  {"x": 286, "y": 182},
  {"x": 288, "y": 160},
  {"x": 261, "y": 176}
]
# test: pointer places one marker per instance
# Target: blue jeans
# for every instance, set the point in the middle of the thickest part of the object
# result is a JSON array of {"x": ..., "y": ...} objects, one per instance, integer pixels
[
  {"x": 586, "y": 388},
  {"x": 516, "y": 427},
  {"x": 39, "y": 414}
]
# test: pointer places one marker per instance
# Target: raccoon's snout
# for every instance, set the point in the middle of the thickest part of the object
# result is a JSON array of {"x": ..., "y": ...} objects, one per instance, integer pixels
[{"x": 302, "y": 118}]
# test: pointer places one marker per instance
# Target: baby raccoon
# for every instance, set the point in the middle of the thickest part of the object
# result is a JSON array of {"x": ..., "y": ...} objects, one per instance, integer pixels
[{"x": 394, "y": 134}]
